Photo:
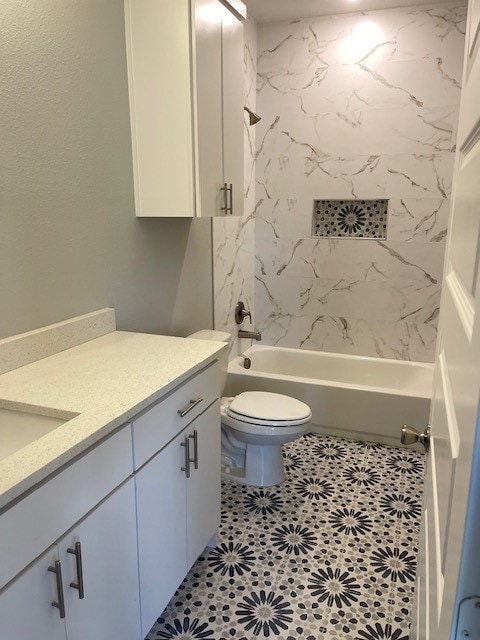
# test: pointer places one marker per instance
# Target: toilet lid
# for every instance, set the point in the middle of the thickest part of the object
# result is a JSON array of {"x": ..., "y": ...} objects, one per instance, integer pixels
[{"x": 268, "y": 408}]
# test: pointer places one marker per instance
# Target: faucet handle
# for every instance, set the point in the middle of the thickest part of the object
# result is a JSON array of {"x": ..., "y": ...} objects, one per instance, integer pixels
[{"x": 241, "y": 313}]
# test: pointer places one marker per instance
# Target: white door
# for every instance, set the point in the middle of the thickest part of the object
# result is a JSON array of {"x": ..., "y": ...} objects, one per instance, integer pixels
[
  {"x": 454, "y": 411},
  {"x": 108, "y": 569}
]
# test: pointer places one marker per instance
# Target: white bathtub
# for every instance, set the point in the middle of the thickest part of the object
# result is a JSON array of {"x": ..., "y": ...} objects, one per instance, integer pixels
[{"x": 352, "y": 396}]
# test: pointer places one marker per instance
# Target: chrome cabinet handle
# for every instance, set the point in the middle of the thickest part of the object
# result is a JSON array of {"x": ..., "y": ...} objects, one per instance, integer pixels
[
  {"x": 230, "y": 189},
  {"x": 60, "y": 603},
  {"x": 225, "y": 198},
  {"x": 227, "y": 207},
  {"x": 77, "y": 552},
  {"x": 186, "y": 468},
  {"x": 191, "y": 405},
  {"x": 194, "y": 437}
]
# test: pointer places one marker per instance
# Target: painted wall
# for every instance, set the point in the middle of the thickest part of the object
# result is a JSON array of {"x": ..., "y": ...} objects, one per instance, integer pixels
[
  {"x": 356, "y": 106},
  {"x": 233, "y": 238},
  {"x": 69, "y": 239}
]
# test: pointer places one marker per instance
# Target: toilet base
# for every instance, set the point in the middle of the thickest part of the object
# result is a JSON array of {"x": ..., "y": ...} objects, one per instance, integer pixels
[{"x": 263, "y": 467}]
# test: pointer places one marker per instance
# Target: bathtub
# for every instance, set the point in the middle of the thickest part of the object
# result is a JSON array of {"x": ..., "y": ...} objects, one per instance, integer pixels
[{"x": 350, "y": 396}]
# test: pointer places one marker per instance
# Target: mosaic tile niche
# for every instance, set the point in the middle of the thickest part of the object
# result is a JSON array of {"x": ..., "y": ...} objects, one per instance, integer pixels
[{"x": 350, "y": 219}]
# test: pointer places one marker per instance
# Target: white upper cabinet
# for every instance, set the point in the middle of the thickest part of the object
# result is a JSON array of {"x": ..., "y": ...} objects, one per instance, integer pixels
[{"x": 186, "y": 86}]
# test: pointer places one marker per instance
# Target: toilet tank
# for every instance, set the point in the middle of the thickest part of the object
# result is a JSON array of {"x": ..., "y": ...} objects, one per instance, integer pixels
[{"x": 217, "y": 336}]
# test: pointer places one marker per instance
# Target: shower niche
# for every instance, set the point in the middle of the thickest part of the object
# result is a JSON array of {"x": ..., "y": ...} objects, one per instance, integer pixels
[{"x": 350, "y": 219}]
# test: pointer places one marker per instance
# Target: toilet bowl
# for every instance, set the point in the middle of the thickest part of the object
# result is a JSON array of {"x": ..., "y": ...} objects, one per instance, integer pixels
[{"x": 255, "y": 425}]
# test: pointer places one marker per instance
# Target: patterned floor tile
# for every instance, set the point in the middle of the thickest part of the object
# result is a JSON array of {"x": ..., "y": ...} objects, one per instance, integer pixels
[{"x": 329, "y": 554}]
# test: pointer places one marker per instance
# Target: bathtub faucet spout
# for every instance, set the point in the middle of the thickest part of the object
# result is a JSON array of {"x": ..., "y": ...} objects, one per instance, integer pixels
[{"x": 253, "y": 335}]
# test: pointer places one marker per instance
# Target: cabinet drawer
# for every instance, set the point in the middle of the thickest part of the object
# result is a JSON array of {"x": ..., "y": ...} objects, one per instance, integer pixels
[
  {"x": 158, "y": 425},
  {"x": 34, "y": 523}
]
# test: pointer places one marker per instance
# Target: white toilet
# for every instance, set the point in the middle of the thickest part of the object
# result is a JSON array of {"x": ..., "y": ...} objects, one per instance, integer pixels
[{"x": 255, "y": 424}]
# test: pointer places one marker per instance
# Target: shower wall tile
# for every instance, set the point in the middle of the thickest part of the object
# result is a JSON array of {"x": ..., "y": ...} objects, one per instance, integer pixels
[
  {"x": 404, "y": 34},
  {"x": 337, "y": 334},
  {"x": 356, "y": 106},
  {"x": 418, "y": 219},
  {"x": 383, "y": 301},
  {"x": 357, "y": 259},
  {"x": 233, "y": 238}
]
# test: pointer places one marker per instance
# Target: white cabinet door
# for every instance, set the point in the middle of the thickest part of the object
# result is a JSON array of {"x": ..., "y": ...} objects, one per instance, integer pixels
[
  {"x": 233, "y": 90},
  {"x": 26, "y": 609},
  {"x": 203, "y": 486},
  {"x": 160, "y": 488},
  {"x": 159, "y": 84},
  {"x": 208, "y": 83},
  {"x": 110, "y": 607}
]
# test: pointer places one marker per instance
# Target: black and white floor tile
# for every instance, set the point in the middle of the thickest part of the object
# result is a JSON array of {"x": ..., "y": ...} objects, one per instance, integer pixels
[{"x": 329, "y": 554}]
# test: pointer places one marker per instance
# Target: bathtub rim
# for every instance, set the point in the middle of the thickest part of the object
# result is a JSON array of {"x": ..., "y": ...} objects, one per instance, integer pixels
[{"x": 235, "y": 367}]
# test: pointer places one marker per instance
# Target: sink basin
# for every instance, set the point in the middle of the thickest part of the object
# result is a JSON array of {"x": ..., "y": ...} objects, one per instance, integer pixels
[{"x": 18, "y": 429}]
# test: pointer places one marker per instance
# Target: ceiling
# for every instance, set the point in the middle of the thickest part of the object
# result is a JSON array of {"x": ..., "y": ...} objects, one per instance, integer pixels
[{"x": 278, "y": 10}]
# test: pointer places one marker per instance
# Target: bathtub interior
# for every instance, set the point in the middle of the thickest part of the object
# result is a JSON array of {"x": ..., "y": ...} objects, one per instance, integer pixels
[{"x": 394, "y": 375}]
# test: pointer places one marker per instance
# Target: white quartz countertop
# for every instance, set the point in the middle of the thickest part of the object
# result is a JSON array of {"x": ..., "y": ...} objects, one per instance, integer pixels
[{"x": 103, "y": 383}]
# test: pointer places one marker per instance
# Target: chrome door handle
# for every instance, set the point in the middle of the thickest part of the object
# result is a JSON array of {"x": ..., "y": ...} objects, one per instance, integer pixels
[
  {"x": 60, "y": 602},
  {"x": 191, "y": 405},
  {"x": 186, "y": 468},
  {"x": 77, "y": 552},
  {"x": 411, "y": 436},
  {"x": 194, "y": 437}
]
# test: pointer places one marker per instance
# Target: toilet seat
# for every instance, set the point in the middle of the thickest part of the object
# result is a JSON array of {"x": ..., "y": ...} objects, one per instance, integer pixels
[{"x": 261, "y": 408}]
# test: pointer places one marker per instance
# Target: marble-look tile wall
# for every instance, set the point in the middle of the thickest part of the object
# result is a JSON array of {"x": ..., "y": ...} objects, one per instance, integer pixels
[
  {"x": 356, "y": 106},
  {"x": 233, "y": 238}
]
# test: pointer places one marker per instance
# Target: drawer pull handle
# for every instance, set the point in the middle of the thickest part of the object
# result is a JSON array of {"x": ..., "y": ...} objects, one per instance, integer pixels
[
  {"x": 191, "y": 405},
  {"x": 60, "y": 603},
  {"x": 77, "y": 552},
  {"x": 186, "y": 468},
  {"x": 194, "y": 437}
]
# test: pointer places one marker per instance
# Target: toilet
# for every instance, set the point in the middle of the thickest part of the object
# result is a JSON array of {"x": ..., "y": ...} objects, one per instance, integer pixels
[{"x": 255, "y": 424}]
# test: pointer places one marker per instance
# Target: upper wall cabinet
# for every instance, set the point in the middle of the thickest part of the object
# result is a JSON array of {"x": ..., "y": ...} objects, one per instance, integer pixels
[{"x": 186, "y": 86}]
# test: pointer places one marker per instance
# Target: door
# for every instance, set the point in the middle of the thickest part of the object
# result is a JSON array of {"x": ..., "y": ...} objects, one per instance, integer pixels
[
  {"x": 108, "y": 569},
  {"x": 207, "y": 22},
  {"x": 233, "y": 89},
  {"x": 454, "y": 410},
  {"x": 26, "y": 610},
  {"x": 162, "y": 539},
  {"x": 203, "y": 486}
]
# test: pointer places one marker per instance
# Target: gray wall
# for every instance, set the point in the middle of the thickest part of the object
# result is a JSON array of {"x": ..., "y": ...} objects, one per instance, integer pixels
[{"x": 69, "y": 239}]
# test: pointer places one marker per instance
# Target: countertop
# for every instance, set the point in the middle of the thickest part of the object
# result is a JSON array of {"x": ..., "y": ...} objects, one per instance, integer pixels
[{"x": 106, "y": 381}]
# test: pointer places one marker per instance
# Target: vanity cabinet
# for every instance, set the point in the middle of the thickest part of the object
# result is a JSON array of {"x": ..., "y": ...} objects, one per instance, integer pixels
[
  {"x": 106, "y": 571},
  {"x": 178, "y": 492},
  {"x": 186, "y": 88},
  {"x": 114, "y": 533}
]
